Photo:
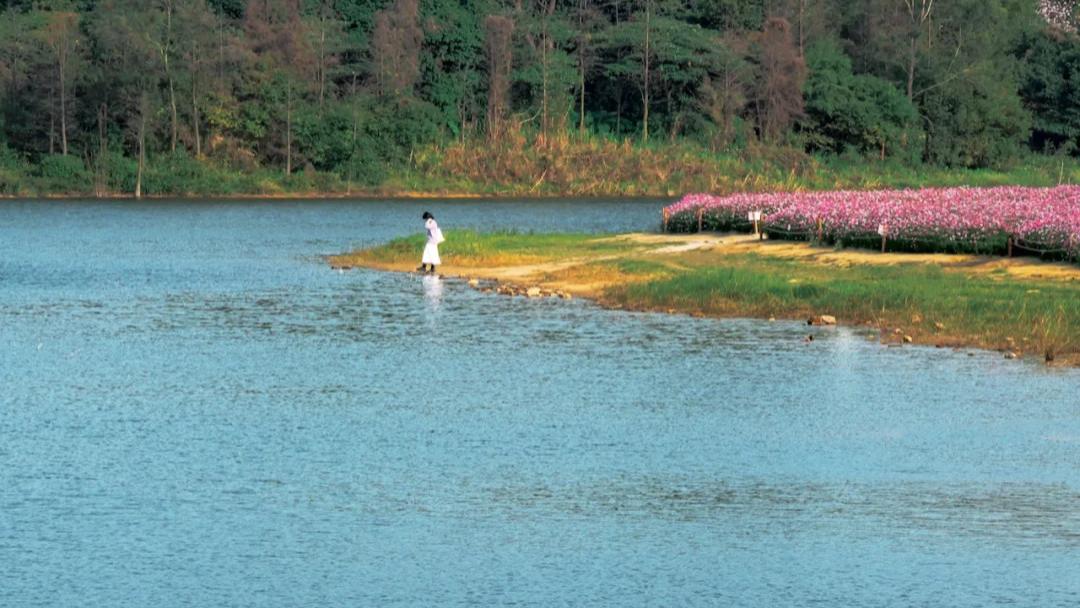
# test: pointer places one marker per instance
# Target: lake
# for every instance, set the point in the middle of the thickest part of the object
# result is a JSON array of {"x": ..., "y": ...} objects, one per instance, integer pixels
[{"x": 195, "y": 410}]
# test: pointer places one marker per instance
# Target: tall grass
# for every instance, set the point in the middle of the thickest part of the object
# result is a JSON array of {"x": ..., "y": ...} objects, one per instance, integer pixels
[
  {"x": 564, "y": 165},
  {"x": 590, "y": 165}
]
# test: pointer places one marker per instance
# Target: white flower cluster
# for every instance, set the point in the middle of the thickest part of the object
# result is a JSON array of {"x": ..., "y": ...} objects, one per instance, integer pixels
[{"x": 1059, "y": 13}]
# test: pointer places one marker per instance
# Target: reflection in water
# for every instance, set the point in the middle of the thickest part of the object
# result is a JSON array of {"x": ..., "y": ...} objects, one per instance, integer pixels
[{"x": 433, "y": 291}]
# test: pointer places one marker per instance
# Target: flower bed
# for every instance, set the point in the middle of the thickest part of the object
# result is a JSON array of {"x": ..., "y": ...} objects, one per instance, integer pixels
[{"x": 949, "y": 220}]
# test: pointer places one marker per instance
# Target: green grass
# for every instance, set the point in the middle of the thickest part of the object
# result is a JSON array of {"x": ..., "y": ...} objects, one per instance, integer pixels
[{"x": 1040, "y": 316}]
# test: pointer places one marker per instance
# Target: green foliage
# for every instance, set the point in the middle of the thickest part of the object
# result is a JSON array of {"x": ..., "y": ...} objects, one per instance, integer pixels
[
  {"x": 395, "y": 131},
  {"x": 12, "y": 171},
  {"x": 325, "y": 140},
  {"x": 975, "y": 123},
  {"x": 860, "y": 112},
  {"x": 681, "y": 57},
  {"x": 63, "y": 173},
  {"x": 1050, "y": 88},
  {"x": 121, "y": 172},
  {"x": 251, "y": 84},
  {"x": 176, "y": 173},
  {"x": 229, "y": 8},
  {"x": 731, "y": 14},
  {"x": 453, "y": 76},
  {"x": 970, "y": 101}
]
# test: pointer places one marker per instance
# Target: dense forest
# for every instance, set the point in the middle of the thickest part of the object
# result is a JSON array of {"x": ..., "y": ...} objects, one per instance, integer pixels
[{"x": 174, "y": 96}]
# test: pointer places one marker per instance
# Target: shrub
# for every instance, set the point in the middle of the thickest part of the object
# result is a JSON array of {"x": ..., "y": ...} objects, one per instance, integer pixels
[
  {"x": 64, "y": 174},
  {"x": 12, "y": 171}
]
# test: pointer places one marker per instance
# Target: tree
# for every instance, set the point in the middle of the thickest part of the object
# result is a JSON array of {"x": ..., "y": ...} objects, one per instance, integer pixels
[
  {"x": 723, "y": 95},
  {"x": 27, "y": 82},
  {"x": 328, "y": 40},
  {"x": 162, "y": 38},
  {"x": 61, "y": 35},
  {"x": 919, "y": 15},
  {"x": 546, "y": 74},
  {"x": 499, "y": 30},
  {"x": 588, "y": 21},
  {"x": 279, "y": 42},
  {"x": 681, "y": 58},
  {"x": 129, "y": 65},
  {"x": 1050, "y": 90},
  {"x": 780, "y": 77},
  {"x": 968, "y": 93},
  {"x": 845, "y": 111},
  {"x": 395, "y": 48},
  {"x": 453, "y": 76},
  {"x": 196, "y": 27}
]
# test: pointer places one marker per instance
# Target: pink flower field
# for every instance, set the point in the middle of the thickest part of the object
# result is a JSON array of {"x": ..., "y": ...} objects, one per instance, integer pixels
[{"x": 977, "y": 220}]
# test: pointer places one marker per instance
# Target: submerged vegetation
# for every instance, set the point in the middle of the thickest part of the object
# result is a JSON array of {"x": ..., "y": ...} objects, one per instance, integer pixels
[{"x": 1021, "y": 306}]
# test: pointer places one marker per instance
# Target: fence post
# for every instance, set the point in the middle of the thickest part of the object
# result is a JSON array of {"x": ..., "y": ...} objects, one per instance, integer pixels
[
  {"x": 820, "y": 230},
  {"x": 700, "y": 218},
  {"x": 666, "y": 215},
  {"x": 1010, "y": 245}
]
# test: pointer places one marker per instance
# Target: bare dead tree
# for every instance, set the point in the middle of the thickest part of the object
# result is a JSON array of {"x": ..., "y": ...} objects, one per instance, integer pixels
[
  {"x": 919, "y": 11},
  {"x": 61, "y": 36},
  {"x": 645, "y": 71},
  {"x": 395, "y": 47},
  {"x": 144, "y": 110},
  {"x": 782, "y": 73},
  {"x": 275, "y": 30},
  {"x": 498, "y": 32}
]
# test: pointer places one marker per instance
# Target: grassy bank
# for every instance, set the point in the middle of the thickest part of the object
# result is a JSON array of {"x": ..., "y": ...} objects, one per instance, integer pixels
[
  {"x": 1023, "y": 306},
  {"x": 569, "y": 166}
]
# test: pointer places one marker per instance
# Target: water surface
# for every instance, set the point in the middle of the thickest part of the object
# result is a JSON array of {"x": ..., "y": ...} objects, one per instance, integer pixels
[{"x": 196, "y": 411}]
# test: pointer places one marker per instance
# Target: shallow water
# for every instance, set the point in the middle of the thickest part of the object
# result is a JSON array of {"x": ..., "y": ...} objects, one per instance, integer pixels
[{"x": 196, "y": 411}]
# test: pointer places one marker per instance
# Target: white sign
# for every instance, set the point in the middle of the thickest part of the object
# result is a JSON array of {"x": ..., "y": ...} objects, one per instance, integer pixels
[
  {"x": 754, "y": 216},
  {"x": 882, "y": 229}
]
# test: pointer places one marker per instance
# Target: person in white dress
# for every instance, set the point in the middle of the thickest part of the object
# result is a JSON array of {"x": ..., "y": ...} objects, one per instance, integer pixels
[{"x": 431, "y": 249}]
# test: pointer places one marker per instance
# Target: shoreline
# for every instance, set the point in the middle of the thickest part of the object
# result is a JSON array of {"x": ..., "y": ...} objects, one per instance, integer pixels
[
  {"x": 404, "y": 195},
  {"x": 738, "y": 276}
]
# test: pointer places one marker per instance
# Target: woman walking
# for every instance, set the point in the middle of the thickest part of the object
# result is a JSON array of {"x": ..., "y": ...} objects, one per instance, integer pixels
[{"x": 431, "y": 250}]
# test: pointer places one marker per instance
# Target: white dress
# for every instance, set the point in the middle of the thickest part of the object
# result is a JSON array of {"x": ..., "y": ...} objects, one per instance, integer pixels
[{"x": 431, "y": 250}]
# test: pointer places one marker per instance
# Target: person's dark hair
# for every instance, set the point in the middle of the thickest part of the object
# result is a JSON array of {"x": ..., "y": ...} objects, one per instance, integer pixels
[{"x": 428, "y": 216}]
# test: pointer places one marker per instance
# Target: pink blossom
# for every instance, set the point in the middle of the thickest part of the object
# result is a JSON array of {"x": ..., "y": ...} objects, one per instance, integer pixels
[{"x": 944, "y": 218}]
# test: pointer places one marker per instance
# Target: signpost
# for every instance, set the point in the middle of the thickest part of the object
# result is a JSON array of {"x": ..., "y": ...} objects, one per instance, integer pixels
[{"x": 755, "y": 217}]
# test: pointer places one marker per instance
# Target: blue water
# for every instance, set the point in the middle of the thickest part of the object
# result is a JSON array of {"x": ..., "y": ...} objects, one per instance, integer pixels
[{"x": 196, "y": 411}]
